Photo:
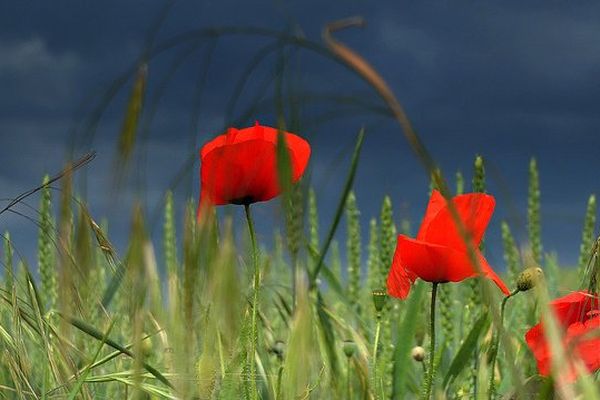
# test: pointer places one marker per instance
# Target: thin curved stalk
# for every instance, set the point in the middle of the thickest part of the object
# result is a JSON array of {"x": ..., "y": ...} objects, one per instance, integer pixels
[
  {"x": 430, "y": 369},
  {"x": 492, "y": 386},
  {"x": 362, "y": 68},
  {"x": 375, "y": 346},
  {"x": 255, "y": 299}
]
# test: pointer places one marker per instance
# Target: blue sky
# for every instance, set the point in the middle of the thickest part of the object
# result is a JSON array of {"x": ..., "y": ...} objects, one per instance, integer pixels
[{"x": 506, "y": 80}]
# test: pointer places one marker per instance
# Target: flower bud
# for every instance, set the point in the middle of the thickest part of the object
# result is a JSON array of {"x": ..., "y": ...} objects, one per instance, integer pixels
[
  {"x": 278, "y": 348},
  {"x": 418, "y": 353},
  {"x": 379, "y": 299},
  {"x": 349, "y": 348},
  {"x": 529, "y": 278},
  {"x": 146, "y": 346}
]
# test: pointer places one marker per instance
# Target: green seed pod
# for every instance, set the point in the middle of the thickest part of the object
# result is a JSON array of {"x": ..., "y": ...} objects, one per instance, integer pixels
[
  {"x": 379, "y": 299},
  {"x": 529, "y": 278},
  {"x": 418, "y": 353},
  {"x": 349, "y": 348},
  {"x": 146, "y": 347},
  {"x": 278, "y": 348}
]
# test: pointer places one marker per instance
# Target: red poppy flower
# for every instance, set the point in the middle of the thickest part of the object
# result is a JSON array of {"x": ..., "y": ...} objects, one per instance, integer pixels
[
  {"x": 240, "y": 166},
  {"x": 576, "y": 314},
  {"x": 439, "y": 254}
]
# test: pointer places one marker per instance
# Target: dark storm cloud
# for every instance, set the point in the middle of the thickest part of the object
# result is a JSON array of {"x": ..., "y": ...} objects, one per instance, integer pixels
[{"x": 506, "y": 80}]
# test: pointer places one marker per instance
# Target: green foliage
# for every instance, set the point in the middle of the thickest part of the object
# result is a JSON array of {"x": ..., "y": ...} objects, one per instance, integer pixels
[
  {"x": 9, "y": 269},
  {"x": 292, "y": 200},
  {"x": 408, "y": 332},
  {"x": 594, "y": 273},
  {"x": 336, "y": 260},
  {"x": 460, "y": 183},
  {"x": 374, "y": 259},
  {"x": 446, "y": 292},
  {"x": 313, "y": 219},
  {"x": 478, "y": 183},
  {"x": 552, "y": 273},
  {"x": 169, "y": 238},
  {"x": 46, "y": 254},
  {"x": 467, "y": 350},
  {"x": 405, "y": 227},
  {"x": 512, "y": 261},
  {"x": 340, "y": 207},
  {"x": 533, "y": 213},
  {"x": 433, "y": 180},
  {"x": 190, "y": 336},
  {"x": 353, "y": 246},
  {"x": 511, "y": 253},
  {"x": 387, "y": 239},
  {"x": 448, "y": 320},
  {"x": 129, "y": 128},
  {"x": 387, "y": 246},
  {"x": 478, "y": 186},
  {"x": 294, "y": 219},
  {"x": 587, "y": 236}
]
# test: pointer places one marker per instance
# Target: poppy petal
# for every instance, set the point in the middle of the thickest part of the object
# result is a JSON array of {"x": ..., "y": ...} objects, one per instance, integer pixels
[
  {"x": 436, "y": 203},
  {"x": 399, "y": 278},
  {"x": 240, "y": 166},
  {"x": 577, "y": 313},
  {"x": 579, "y": 342},
  {"x": 299, "y": 147},
  {"x": 240, "y": 173},
  {"x": 584, "y": 338},
  {"x": 539, "y": 347},
  {"x": 437, "y": 263},
  {"x": 475, "y": 211},
  {"x": 573, "y": 307}
]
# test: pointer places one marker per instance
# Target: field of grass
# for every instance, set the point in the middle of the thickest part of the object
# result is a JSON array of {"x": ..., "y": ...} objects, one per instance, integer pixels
[
  {"x": 98, "y": 324},
  {"x": 88, "y": 322}
]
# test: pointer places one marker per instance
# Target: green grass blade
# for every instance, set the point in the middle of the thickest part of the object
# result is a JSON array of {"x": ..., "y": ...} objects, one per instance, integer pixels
[
  {"x": 328, "y": 334},
  {"x": 340, "y": 209},
  {"x": 86, "y": 371},
  {"x": 90, "y": 330},
  {"x": 405, "y": 341},
  {"x": 127, "y": 137},
  {"x": 466, "y": 351}
]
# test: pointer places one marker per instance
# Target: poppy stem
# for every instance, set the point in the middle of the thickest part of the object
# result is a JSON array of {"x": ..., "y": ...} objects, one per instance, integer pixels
[
  {"x": 256, "y": 288},
  {"x": 429, "y": 377},
  {"x": 349, "y": 393},
  {"x": 496, "y": 344},
  {"x": 279, "y": 376},
  {"x": 375, "y": 348}
]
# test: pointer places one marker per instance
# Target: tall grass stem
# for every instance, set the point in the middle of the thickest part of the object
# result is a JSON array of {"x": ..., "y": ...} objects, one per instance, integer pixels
[
  {"x": 349, "y": 394},
  {"x": 429, "y": 378},
  {"x": 253, "y": 332},
  {"x": 492, "y": 386},
  {"x": 375, "y": 346}
]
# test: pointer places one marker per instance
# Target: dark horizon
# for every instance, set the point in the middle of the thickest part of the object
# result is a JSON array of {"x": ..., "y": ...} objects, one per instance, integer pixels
[{"x": 507, "y": 81}]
